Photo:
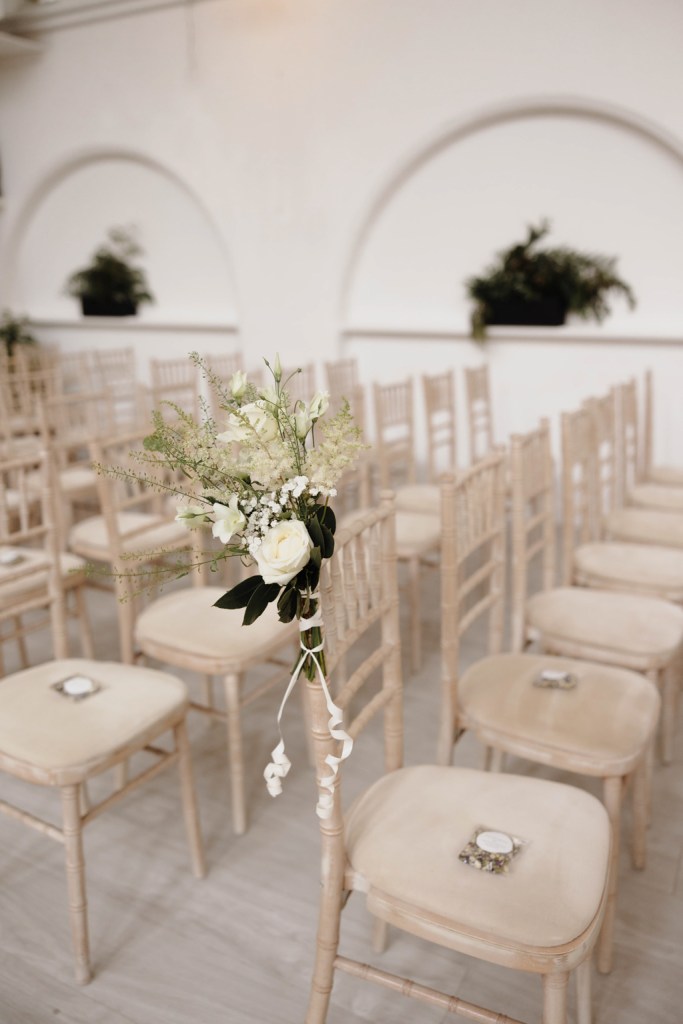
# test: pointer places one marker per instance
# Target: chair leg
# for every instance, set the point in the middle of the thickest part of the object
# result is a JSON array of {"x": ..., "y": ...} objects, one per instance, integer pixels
[
  {"x": 583, "y": 992},
  {"x": 380, "y": 935},
  {"x": 414, "y": 610},
  {"x": 87, "y": 647},
  {"x": 669, "y": 705},
  {"x": 235, "y": 754},
  {"x": 555, "y": 998},
  {"x": 613, "y": 790},
  {"x": 126, "y": 614},
  {"x": 207, "y": 691},
  {"x": 21, "y": 641},
  {"x": 75, "y": 878},
  {"x": 497, "y": 760},
  {"x": 187, "y": 790},
  {"x": 640, "y": 815},
  {"x": 325, "y": 952}
]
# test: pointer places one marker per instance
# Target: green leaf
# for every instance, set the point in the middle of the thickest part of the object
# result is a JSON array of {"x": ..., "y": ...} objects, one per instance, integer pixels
[
  {"x": 240, "y": 595},
  {"x": 328, "y": 542},
  {"x": 326, "y": 517},
  {"x": 287, "y": 604},
  {"x": 316, "y": 533},
  {"x": 316, "y": 556},
  {"x": 259, "y": 601}
]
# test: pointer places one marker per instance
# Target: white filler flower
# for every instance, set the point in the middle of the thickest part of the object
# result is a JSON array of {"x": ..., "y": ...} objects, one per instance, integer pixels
[{"x": 227, "y": 520}]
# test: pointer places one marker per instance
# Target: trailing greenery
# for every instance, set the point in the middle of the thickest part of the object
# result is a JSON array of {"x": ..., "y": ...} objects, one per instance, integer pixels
[
  {"x": 14, "y": 331},
  {"x": 579, "y": 282},
  {"x": 112, "y": 278}
]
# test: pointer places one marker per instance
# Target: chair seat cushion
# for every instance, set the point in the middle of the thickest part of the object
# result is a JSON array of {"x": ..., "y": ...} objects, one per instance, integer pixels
[
  {"x": 642, "y": 568},
  {"x": 672, "y": 476},
  {"x": 90, "y": 536},
  {"x": 72, "y": 567},
  {"x": 417, "y": 533},
  {"x": 660, "y": 496},
  {"x": 603, "y": 724},
  {"x": 646, "y": 526},
  {"x": 404, "y": 835},
  {"x": 419, "y": 498},
  {"x": 627, "y": 624},
  {"x": 186, "y": 623},
  {"x": 42, "y": 728}
]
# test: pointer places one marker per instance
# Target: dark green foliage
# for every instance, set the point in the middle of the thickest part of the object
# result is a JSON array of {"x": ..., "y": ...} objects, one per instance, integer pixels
[
  {"x": 578, "y": 281},
  {"x": 14, "y": 331},
  {"x": 111, "y": 278}
]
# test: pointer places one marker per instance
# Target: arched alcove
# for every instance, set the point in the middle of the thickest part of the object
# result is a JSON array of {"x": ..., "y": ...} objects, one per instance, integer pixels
[
  {"x": 609, "y": 182},
  {"x": 70, "y": 212}
]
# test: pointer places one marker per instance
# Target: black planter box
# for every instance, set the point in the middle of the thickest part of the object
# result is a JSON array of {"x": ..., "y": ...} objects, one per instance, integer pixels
[
  {"x": 99, "y": 307},
  {"x": 548, "y": 312}
]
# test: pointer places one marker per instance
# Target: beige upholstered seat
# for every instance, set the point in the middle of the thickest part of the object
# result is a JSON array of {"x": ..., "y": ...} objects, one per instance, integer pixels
[
  {"x": 608, "y": 719},
  {"x": 185, "y": 630},
  {"x": 669, "y": 476},
  {"x": 645, "y": 631},
  {"x": 603, "y": 727},
  {"x": 404, "y": 834},
  {"x": 642, "y": 568},
  {"x": 645, "y": 526},
  {"x": 139, "y": 532},
  {"x": 652, "y": 495},
  {"x": 399, "y": 843},
  {"x": 422, "y": 498}
]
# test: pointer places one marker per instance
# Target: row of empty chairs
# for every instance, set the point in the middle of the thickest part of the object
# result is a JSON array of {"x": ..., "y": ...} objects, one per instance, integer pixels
[{"x": 612, "y": 733}]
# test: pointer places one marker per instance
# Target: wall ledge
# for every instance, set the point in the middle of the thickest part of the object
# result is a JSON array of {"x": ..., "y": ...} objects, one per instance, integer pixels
[
  {"x": 134, "y": 325},
  {"x": 568, "y": 333}
]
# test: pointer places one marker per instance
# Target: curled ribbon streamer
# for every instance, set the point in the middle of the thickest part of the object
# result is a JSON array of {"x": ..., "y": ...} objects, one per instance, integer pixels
[{"x": 279, "y": 767}]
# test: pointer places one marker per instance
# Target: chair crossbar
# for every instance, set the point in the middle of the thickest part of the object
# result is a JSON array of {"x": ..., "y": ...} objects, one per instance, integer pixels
[
  {"x": 356, "y": 725},
  {"x": 534, "y": 549},
  {"x": 482, "y": 538},
  {"x": 361, "y": 675},
  {"x": 476, "y": 610},
  {"x": 478, "y": 577},
  {"x": 422, "y": 993},
  {"x": 32, "y": 821},
  {"x": 165, "y": 758}
]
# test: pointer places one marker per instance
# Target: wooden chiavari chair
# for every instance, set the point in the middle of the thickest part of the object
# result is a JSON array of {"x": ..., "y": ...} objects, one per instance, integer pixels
[
  {"x": 113, "y": 371},
  {"x": 298, "y": 382},
  {"x": 479, "y": 412},
  {"x": 174, "y": 381},
  {"x": 439, "y": 400},
  {"x": 669, "y": 475},
  {"x": 601, "y": 728},
  {"x": 63, "y": 722},
  {"x": 634, "y": 489},
  {"x": 398, "y": 844}
]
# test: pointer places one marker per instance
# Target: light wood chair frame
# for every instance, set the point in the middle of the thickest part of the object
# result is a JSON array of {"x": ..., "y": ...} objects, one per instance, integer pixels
[
  {"x": 479, "y": 411},
  {"x": 439, "y": 400}
]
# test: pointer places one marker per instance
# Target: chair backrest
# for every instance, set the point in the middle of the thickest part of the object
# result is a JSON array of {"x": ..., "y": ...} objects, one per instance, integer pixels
[
  {"x": 394, "y": 432},
  {"x": 579, "y": 508},
  {"x": 299, "y": 382},
  {"x": 629, "y": 449},
  {"x": 648, "y": 426},
  {"x": 472, "y": 571},
  {"x": 533, "y": 519},
  {"x": 604, "y": 411},
  {"x": 26, "y": 523},
  {"x": 439, "y": 400},
  {"x": 75, "y": 371},
  {"x": 479, "y": 413},
  {"x": 113, "y": 371},
  {"x": 125, "y": 492},
  {"x": 21, "y": 393},
  {"x": 342, "y": 379},
  {"x": 359, "y": 598},
  {"x": 175, "y": 381},
  {"x": 224, "y": 364}
]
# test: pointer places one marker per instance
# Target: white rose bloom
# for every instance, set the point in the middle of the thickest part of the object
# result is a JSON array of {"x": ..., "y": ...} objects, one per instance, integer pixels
[
  {"x": 252, "y": 417},
  {"x": 302, "y": 420},
  {"x": 227, "y": 520},
  {"x": 285, "y": 550},
  {"x": 238, "y": 384},
  {"x": 191, "y": 516},
  {"x": 319, "y": 404}
]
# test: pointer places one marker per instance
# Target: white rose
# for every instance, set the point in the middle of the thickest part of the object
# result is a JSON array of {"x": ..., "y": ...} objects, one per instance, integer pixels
[
  {"x": 302, "y": 420},
  {"x": 227, "y": 520},
  {"x": 238, "y": 384},
  {"x": 285, "y": 550},
  {"x": 252, "y": 417},
  {"x": 191, "y": 515},
  {"x": 319, "y": 404}
]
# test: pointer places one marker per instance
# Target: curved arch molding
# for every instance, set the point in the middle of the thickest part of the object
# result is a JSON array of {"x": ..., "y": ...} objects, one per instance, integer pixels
[
  {"x": 491, "y": 117},
  {"x": 84, "y": 159}
]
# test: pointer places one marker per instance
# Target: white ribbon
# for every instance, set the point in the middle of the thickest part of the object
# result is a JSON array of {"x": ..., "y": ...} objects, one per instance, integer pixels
[{"x": 278, "y": 768}]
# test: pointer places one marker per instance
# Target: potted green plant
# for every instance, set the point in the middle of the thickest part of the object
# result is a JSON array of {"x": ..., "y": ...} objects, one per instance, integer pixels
[
  {"x": 534, "y": 286},
  {"x": 111, "y": 285},
  {"x": 14, "y": 331}
]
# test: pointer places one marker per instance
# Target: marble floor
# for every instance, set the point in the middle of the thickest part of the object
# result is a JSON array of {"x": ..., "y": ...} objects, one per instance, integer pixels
[{"x": 237, "y": 946}]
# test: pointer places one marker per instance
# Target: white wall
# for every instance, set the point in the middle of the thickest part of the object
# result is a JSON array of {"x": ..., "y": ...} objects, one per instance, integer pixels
[{"x": 329, "y": 165}]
